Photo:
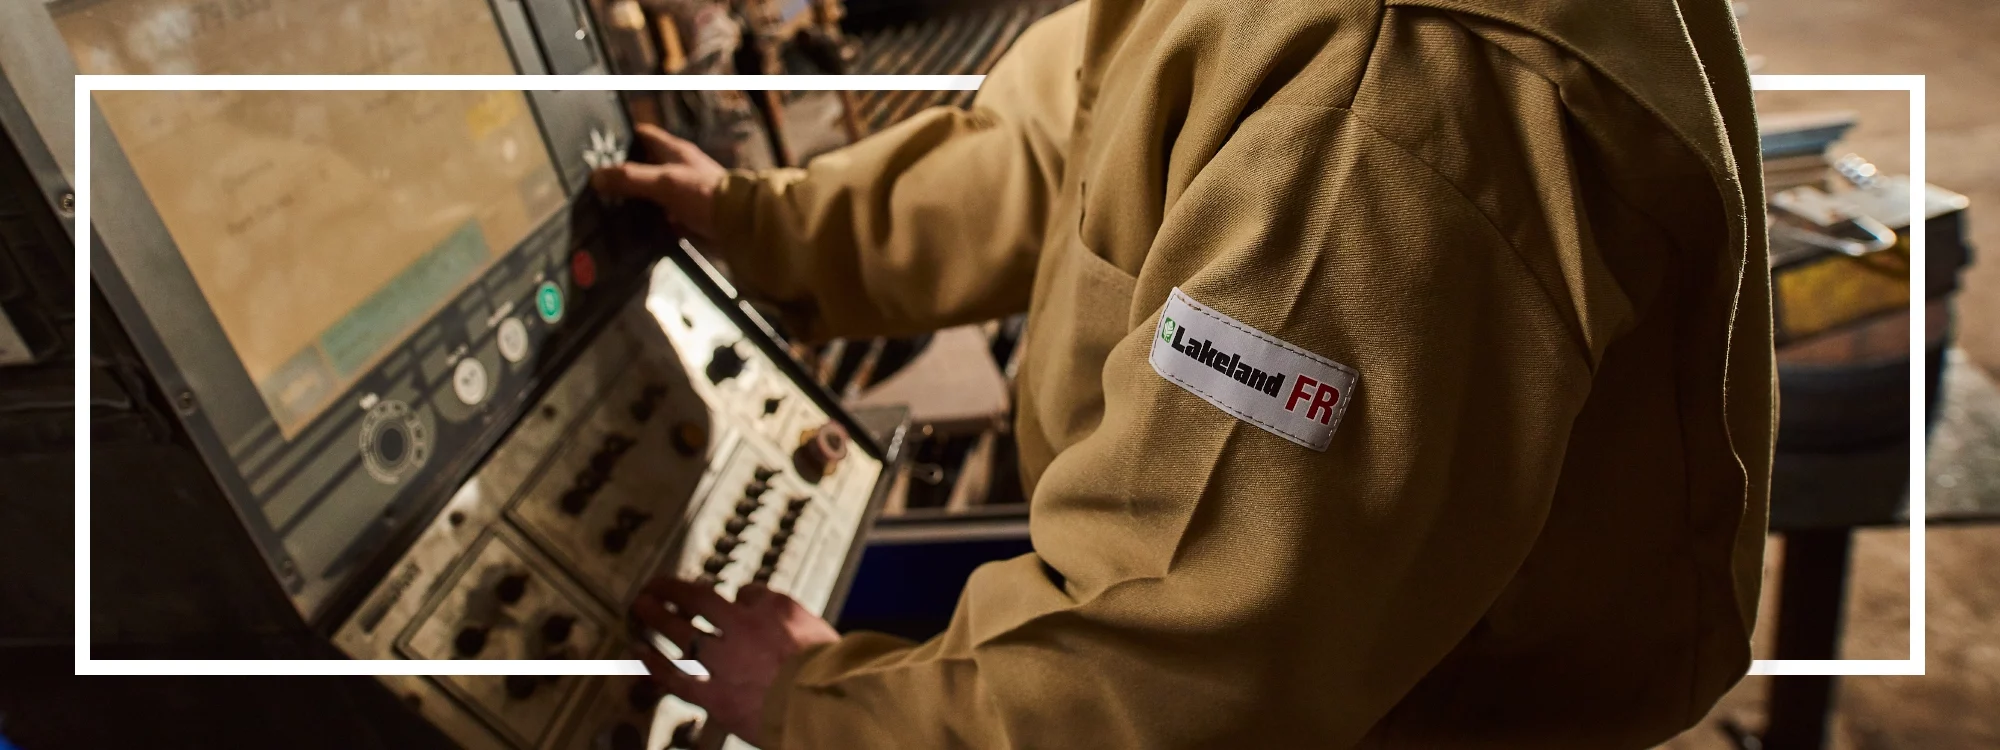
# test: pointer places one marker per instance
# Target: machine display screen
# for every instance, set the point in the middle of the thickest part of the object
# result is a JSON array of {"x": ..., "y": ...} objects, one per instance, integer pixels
[{"x": 322, "y": 227}]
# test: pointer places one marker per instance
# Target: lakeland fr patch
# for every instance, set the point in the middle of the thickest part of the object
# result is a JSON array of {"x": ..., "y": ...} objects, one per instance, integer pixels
[{"x": 1287, "y": 391}]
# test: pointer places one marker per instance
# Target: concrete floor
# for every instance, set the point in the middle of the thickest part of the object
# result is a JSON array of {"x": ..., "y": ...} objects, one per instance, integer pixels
[{"x": 1956, "y": 44}]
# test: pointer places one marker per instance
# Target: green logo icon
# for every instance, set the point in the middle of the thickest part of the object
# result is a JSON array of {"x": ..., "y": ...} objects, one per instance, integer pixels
[
  {"x": 1166, "y": 329},
  {"x": 549, "y": 302}
]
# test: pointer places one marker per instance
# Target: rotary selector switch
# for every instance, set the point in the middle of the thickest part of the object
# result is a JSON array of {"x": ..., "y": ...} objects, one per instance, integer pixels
[
  {"x": 395, "y": 442},
  {"x": 820, "y": 453}
]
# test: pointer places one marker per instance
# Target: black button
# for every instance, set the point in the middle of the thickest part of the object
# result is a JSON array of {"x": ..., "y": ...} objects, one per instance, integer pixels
[
  {"x": 556, "y": 629},
  {"x": 520, "y": 686},
  {"x": 470, "y": 641},
  {"x": 389, "y": 444},
  {"x": 747, "y": 507},
  {"x": 726, "y": 543},
  {"x": 764, "y": 473},
  {"x": 771, "y": 557},
  {"x": 764, "y": 574},
  {"x": 787, "y": 521},
  {"x": 511, "y": 587},
  {"x": 735, "y": 526},
  {"x": 780, "y": 538},
  {"x": 798, "y": 503},
  {"x": 715, "y": 564},
  {"x": 755, "y": 489},
  {"x": 589, "y": 480}
]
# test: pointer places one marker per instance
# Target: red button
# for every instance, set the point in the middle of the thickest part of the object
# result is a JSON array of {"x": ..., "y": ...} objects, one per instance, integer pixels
[{"x": 583, "y": 269}]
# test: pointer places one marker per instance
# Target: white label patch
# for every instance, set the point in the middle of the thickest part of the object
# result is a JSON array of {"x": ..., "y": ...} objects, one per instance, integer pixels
[{"x": 1288, "y": 391}]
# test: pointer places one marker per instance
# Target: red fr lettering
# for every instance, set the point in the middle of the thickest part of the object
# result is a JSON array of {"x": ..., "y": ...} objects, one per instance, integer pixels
[
  {"x": 1302, "y": 390},
  {"x": 1322, "y": 404}
]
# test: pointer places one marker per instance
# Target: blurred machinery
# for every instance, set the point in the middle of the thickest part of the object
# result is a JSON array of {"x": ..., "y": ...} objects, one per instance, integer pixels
[{"x": 1842, "y": 286}]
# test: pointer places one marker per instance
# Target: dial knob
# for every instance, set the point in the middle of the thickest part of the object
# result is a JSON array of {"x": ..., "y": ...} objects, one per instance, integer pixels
[
  {"x": 510, "y": 588},
  {"x": 755, "y": 489},
  {"x": 726, "y": 543},
  {"x": 556, "y": 629},
  {"x": 735, "y": 526},
  {"x": 821, "y": 452},
  {"x": 574, "y": 501},
  {"x": 746, "y": 507},
  {"x": 763, "y": 473},
  {"x": 470, "y": 641},
  {"x": 616, "y": 539},
  {"x": 520, "y": 686},
  {"x": 797, "y": 504},
  {"x": 715, "y": 564}
]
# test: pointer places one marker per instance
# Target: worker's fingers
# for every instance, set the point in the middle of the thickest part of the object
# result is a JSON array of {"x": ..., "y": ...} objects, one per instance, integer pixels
[
  {"x": 676, "y": 627},
  {"x": 693, "y": 600},
  {"x": 663, "y": 147},
  {"x": 676, "y": 682},
  {"x": 630, "y": 180}
]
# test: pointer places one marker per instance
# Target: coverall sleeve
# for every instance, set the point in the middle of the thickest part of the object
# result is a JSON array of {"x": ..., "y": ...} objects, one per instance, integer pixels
[
  {"x": 1199, "y": 582},
  {"x": 936, "y": 221}
]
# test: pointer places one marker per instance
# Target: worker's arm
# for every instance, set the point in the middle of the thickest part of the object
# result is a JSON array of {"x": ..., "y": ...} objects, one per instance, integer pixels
[
  {"x": 935, "y": 221},
  {"x": 1197, "y": 574}
]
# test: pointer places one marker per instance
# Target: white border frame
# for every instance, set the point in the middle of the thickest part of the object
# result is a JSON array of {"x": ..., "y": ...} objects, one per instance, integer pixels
[{"x": 86, "y": 84}]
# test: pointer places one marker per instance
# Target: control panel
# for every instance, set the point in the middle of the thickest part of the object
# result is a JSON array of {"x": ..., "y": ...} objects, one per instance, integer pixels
[{"x": 675, "y": 444}]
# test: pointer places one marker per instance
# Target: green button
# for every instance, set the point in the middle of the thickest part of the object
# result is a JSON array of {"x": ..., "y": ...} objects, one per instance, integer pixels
[{"x": 549, "y": 302}]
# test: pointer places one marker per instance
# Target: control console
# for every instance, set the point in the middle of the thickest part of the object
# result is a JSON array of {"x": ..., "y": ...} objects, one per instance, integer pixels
[{"x": 677, "y": 443}]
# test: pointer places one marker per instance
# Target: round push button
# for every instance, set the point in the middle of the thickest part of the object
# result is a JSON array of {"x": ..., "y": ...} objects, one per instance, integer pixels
[
  {"x": 468, "y": 381},
  {"x": 549, "y": 302},
  {"x": 583, "y": 268},
  {"x": 513, "y": 339}
]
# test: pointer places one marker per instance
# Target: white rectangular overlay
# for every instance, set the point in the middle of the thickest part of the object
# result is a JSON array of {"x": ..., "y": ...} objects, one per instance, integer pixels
[{"x": 86, "y": 84}]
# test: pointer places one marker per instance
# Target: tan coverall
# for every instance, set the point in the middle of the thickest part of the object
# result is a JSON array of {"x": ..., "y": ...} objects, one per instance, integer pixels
[{"x": 1535, "y": 229}]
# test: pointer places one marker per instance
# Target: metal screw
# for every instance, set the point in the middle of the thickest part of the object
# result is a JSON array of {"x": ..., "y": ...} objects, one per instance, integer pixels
[
  {"x": 285, "y": 568},
  {"x": 67, "y": 202},
  {"x": 185, "y": 401}
]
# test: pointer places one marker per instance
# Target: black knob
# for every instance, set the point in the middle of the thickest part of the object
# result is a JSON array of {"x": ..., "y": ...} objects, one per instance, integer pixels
[
  {"x": 520, "y": 686},
  {"x": 616, "y": 539},
  {"x": 798, "y": 504},
  {"x": 787, "y": 521},
  {"x": 510, "y": 588},
  {"x": 640, "y": 410},
  {"x": 735, "y": 526},
  {"x": 771, "y": 557},
  {"x": 725, "y": 364},
  {"x": 556, "y": 629},
  {"x": 764, "y": 473},
  {"x": 755, "y": 489},
  {"x": 642, "y": 696},
  {"x": 589, "y": 480},
  {"x": 603, "y": 461},
  {"x": 714, "y": 564},
  {"x": 746, "y": 507},
  {"x": 470, "y": 641},
  {"x": 764, "y": 574},
  {"x": 624, "y": 736},
  {"x": 726, "y": 543},
  {"x": 780, "y": 538},
  {"x": 574, "y": 501}
]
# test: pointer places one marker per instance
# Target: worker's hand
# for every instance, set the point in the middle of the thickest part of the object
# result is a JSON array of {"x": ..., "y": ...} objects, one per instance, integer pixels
[
  {"x": 754, "y": 636},
  {"x": 682, "y": 179}
]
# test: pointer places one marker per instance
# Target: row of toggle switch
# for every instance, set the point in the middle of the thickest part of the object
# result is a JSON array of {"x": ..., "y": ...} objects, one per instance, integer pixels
[{"x": 740, "y": 522}]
